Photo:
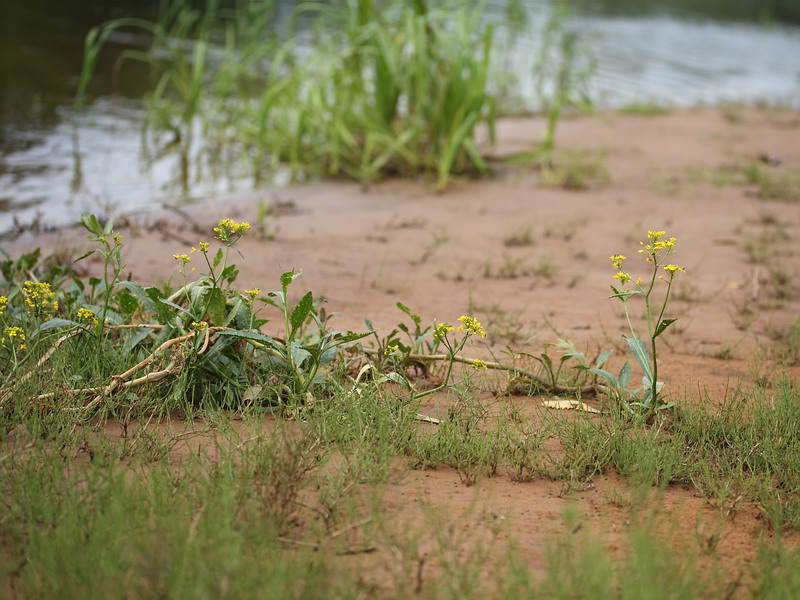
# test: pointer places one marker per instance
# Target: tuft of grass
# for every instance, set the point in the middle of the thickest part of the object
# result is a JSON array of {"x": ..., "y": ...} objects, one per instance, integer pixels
[
  {"x": 579, "y": 171},
  {"x": 644, "y": 109},
  {"x": 520, "y": 236}
]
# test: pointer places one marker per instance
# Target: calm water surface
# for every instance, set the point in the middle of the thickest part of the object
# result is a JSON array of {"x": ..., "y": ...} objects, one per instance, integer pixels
[{"x": 677, "y": 52}]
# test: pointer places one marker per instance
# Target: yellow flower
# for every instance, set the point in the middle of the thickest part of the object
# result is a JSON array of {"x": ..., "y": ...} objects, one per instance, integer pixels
[
  {"x": 390, "y": 349},
  {"x": 15, "y": 332},
  {"x": 184, "y": 258},
  {"x": 440, "y": 331},
  {"x": 3, "y": 304},
  {"x": 39, "y": 297},
  {"x": 203, "y": 247},
  {"x": 479, "y": 364},
  {"x": 672, "y": 269},
  {"x": 471, "y": 326},
  {"x": 622, "y": 276},
  {"x": 253, "y": 293},
  {"x": 229, "y": 231},
  {"x": 87, "y": 316},
  {"x": 199, "y": 327},
  {"x": 117, "y": 239},
  {"x": 616, "y": 260}
]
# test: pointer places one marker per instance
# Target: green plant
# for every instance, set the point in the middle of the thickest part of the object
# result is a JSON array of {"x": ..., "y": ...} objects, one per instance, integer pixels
[{"x": 646, "y": 398}]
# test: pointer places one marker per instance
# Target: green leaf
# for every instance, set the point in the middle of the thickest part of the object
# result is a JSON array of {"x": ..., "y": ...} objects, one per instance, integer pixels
[
  {"x": 663, "y": 326},
  {"x": 127, "y": 303},
  {"x": 605, "y": 375},
  {"x": 165, "y": 315},
  {"x": 218, "y": 257},
  {"x": 84, "y": 255},
  {"x": 52, "y": 324},
  {"x": 250, "y": 335},
  {"x": 299, "y": 354},
  {"x": 135, "y": 337},
  {"x": 601, "y": 360},
  {"x": 416, "y": 318},
  {"x": 287, "y": 278},
  {"x": 91, "y": 224},
  {"x": 300, "y": 313},
  {"x": 641, "y": 355},
  {"x": 216, "y": 306},
  {"x": 625, "y": 375}
]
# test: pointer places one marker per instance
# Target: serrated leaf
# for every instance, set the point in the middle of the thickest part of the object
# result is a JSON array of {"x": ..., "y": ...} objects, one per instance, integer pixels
[
  {"x": 287, "y": 278},
  {"x": 663, "y": 326},
  {"x": 300, "y": 313},
  {"x": 569, "y": 405},
  {"x": 127, "y": 302},
  {"x": 416, "y": 318}
]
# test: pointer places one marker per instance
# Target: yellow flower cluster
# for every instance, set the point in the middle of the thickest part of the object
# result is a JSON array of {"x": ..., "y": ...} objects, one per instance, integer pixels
[
  {"x": 87, "y": 316},
  {"x": 471, "y": 326},
  {"x": 390, "y": 349},
  {"x": 184, "y": 258},
  {"x": 253, "y": 293},
  {"x": 11, "y": 333},
  {"x": 39, "y": 296},
  {"x": 440, "y": 331},
  {"x": 229, "y": 231},
  {"x": 199, "y": 327},
  {"x": 3, "y": 304},
  {"x": 616, "y": 260},
  {"x": 672, "y": 269},
  {"x": 656, "y": 244},
  {"x": 478, "y": 364}
]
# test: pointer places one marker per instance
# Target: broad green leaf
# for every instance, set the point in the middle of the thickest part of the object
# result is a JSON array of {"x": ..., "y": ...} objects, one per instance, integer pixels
[
  {"x": 252, "y": 393},
  {"x": 605, "y": 375},
  {"x": 641, "y": 355},
  {"x": 328, "y": 355},
  {"x": 216, "y": 306},
  {"x": 663, "y": 326},
  {"x": 299, "y": 354},
  {"x": 52, "y": 324},
  {"x": 135, "y": 337},
  {"x": 127, "y": 302},
  {"x": 601, "y": 360},
  {"x": 164, "y": 314},
  {"x": 218, "y": 257},
  {"x": 625, "y": 375},
  {"x": 300, "y": 313}
]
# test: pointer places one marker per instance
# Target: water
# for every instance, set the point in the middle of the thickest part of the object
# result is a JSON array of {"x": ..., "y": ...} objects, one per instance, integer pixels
[{"x": 676, "y": 52}]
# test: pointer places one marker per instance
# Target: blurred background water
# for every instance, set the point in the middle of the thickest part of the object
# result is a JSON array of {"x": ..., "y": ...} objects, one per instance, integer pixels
[{"x": 670, "y": 52}]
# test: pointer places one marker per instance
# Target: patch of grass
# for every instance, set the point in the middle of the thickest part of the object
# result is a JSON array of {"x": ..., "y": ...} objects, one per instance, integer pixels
[
  {"x": 644, "y": 109},
  {"x": 520, "y": 236},
  {"x": 578, "y": 171}
]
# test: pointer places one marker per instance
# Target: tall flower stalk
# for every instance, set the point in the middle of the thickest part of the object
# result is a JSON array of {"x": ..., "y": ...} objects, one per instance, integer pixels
[{"x": 656, "y": 251}]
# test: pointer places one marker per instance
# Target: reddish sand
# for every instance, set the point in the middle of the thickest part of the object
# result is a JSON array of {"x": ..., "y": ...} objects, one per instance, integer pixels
[{"x": 365, "y": 249}]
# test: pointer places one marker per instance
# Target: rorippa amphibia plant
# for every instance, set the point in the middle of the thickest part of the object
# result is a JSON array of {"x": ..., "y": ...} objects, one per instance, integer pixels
[{"x": 656, "y": 250}]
